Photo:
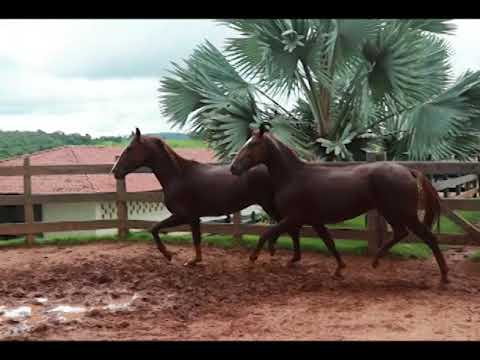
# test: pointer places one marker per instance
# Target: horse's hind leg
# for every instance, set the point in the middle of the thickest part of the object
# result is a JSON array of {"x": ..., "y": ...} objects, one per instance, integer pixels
[
  {"x": 270, "y": 210},
  {"x": 274, "y": 232},
  {"x": 323, "y": 232},
  {"x": 399, "y": 232},
  {"x": 197, "y": 240},
  {"x": 430, "y": 239},
  {"x": 295, "y": 234},
  {"x": 171, "y": 221}
]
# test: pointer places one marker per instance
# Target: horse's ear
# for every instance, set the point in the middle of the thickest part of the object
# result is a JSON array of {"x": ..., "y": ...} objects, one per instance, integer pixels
[
  {"x": 137, "y": 134},
  {"x": 264, "y": 127}
]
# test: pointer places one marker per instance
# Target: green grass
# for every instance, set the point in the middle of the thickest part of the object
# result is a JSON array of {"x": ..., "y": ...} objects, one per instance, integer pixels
[
  {"x": 449, "y": 227},
  {"x": 187, "y": 144},
  {"x": 446, "y": 225},
  {"x": 357, "y": 223},
  {"x": 355, "y": 247},
  {"x": 174, "y": 143}
]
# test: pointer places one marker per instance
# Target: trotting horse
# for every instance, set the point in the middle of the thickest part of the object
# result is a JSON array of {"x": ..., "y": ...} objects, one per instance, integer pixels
[
  {"x": 312, "y": 194},
  {"x": 193, "y": 189}
]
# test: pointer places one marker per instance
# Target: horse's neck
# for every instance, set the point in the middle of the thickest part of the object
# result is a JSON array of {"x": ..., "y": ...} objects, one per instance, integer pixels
[
  {"x": 168, "y": 167},
  {"x": 282, "y": 163}
]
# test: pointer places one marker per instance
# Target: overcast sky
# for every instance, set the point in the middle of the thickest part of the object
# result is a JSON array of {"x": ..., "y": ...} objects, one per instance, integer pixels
[{"x": 101, "y": 76}]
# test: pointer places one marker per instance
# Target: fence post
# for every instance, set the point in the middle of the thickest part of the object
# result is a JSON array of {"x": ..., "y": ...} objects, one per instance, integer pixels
[
  {"x": 122, "y": 211},
  {"x": 376, "y": 224},
  {"x": 237, "y": 235},
  {"x": 27, "y": 202}
]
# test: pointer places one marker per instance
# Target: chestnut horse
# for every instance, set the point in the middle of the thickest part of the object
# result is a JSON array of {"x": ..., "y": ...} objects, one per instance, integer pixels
[
  {"x": 193, "y": 189},
  {"x": 312, "y": 194}
]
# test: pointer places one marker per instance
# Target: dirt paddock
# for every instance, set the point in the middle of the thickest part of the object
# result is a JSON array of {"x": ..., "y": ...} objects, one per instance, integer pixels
[{"x": 129, "y": 292}]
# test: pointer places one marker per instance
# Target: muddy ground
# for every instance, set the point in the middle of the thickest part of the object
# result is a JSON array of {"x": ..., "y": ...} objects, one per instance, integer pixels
[{"x": 129, "y": 292}]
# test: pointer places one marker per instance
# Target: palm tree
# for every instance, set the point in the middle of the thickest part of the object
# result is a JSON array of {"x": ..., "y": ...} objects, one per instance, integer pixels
[{"x": 355, "y": 85}]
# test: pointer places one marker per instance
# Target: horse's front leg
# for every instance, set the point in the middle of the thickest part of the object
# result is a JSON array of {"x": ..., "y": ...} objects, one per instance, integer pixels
[
  {"x": 197, "y": 240},
  {"x": 323, "y": 232},
  {"x": 171, "y": 221},
  {"x": 286, "y": 225},
  {"x": 295, "y": 234}
]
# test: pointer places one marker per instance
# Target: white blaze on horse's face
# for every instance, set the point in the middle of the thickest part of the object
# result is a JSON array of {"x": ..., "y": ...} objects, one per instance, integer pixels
[
  {"x": 248, "y": 142},
  {"x": 243, "y": 160},
  {"x": 244, "y": 146}
]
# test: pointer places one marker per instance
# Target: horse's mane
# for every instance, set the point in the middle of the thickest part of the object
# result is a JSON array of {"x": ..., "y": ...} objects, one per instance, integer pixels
[
  {"x": 177, "y": 160},
  {"x": 284, "y": 148}
]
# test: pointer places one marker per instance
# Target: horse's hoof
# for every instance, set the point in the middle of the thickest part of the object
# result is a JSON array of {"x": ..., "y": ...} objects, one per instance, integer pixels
[
  {"x": 253, "y": 258},
  {"x": 292, "y": 261},
  {"x": 338, "y": 276},
  {"x": 272, "y": 252},
  {"x": 375, "y": 264},
  {"x": 168, "y": 256},
  {"x": 442, "y": 286},
  {"x": 192, "y": 262}
]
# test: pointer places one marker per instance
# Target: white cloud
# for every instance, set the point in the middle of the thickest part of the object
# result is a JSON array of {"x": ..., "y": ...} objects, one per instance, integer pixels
[
  {"x": 105, "y": 48},
  {"x": 101, "y": 76},
  {"x": 91, "y": 76},
  {"x": 466, "y": 52}
]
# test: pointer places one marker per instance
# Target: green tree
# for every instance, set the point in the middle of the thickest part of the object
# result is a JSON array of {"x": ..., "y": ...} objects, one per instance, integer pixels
[{"x": 355, "y": 84}]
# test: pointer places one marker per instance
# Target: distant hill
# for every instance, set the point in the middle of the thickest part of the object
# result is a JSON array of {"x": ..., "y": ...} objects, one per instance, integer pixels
[{"x": 15, "y": 143}]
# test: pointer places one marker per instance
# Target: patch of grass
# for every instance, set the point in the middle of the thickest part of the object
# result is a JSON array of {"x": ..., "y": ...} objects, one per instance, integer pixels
[
  {"x": 449, "y": 227},
  {"x": 446, "y": 225},
  {"x": 355, "y": 223},
  {"x": 174, "y": 143},
  {"x": 186, "y": 144},
  {"x": 355, "y": 247}
]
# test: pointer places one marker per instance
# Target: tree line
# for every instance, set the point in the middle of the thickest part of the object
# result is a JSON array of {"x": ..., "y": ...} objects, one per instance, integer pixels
[{"x": 16, "y": 143}]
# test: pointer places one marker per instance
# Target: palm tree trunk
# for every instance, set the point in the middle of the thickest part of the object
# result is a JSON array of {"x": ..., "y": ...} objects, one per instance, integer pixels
[{"x": 314, "y": 100}]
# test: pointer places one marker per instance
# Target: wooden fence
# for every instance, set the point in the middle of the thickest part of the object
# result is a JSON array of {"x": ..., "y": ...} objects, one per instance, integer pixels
[{"x": 375, "y": 233}]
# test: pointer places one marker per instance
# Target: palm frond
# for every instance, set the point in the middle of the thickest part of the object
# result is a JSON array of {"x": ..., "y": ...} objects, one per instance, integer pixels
[
  {"x": 439, "y": 128},
  {"x": 271, "y": 50},
  {"x": 437, "y": 26},
  {"x": 407, "y": 67},
  {"x": 206, "y": 83}
]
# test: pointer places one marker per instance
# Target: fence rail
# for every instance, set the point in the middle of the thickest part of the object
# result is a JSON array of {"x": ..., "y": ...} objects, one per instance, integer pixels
[
  {"x": 375, "y": 233},
  {"x": 427, "y": 167}
]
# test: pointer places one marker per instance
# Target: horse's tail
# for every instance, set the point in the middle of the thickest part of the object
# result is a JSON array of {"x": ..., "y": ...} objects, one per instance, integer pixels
[{"x": 431, "y": 200}]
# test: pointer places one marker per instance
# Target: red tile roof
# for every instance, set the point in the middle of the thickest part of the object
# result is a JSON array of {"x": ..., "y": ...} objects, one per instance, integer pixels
[{"x": 70, "y": 155}]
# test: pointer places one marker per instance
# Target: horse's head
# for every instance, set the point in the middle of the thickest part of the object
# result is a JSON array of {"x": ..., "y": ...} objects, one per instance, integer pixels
[
  {"x": 252, "y": 153},
  {"x": 135, "y": 155}
]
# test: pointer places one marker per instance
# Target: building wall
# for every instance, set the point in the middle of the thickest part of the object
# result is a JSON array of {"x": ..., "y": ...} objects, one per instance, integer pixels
[
  {"x": 137, "y": 210},
  {"x": 85, "y": 211},
  {"x": 80, "y": 211}
]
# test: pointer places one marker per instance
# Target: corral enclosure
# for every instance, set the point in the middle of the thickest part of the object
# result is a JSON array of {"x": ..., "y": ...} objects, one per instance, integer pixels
[
  {"x": 125, "y": 291},
  {"x": 375, "y": 233}
]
